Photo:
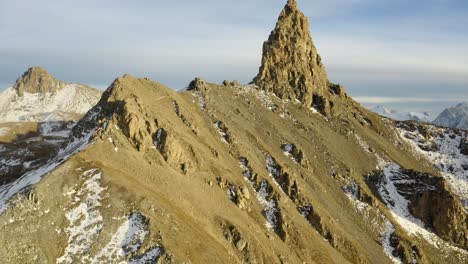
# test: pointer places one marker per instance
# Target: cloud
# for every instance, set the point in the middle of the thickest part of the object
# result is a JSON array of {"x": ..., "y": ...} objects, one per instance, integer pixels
[{"x": 386, "y": 100}]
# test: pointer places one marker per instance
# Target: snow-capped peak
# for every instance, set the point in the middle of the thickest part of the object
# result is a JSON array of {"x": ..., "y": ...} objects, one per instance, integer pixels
[
  {"x": 456, "y": 117},
  {"x": 37, "y": 96},
  {"x": 73, "y": 99}
]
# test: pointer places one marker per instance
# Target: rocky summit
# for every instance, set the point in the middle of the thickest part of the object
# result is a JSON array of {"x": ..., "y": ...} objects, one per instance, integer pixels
[
  {"x": 231, "y": 173},
  {"x": 37, "y": 80},
  {"x": 291, "y": 66},
  {"x": 38, "y": 97}
]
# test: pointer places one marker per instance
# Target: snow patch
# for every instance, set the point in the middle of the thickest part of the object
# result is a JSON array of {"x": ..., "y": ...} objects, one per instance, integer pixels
[
  {"x": 223, "y": 132},
  {"x": 160, "y": 139},
  {"x": 150, "y": 256},
  {"x": 272, "y": 167},
  {"x": 198, "y": 97},
  {"x": 231, "y": 192},
  {"x": 72, "y": 99},
  {"x": 7, "y": 191},
  {"x": 446, "y": 156},
  {"x": 270, "y": 206},
  {"x": 127, "y": 240},
  {"x": 398, "y": 206},
  {"x": 85, "y": 219},
  {"x": 374, "y": 219},
  {"x": 246, "y": 169},
  {"x": 56, "y": 129},
  {"x": 261, "y": 95},
  {"x": 386, "y": 242}
]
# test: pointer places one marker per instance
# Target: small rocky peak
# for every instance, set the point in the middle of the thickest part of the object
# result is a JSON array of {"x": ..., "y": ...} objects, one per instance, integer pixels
[
  {"x": 291, "y": 67},
  {"x": 234, "y": 83},
  {"x": 37, "y": 80},
  {"x": 197, "y": 84},
  {"x": 292, "y": 5}
]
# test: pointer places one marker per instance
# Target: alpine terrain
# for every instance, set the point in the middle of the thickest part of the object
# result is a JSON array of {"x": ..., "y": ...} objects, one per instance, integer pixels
[
  {"x": 39, "y": 97},
  {"x": 287, "y": 169},
  {"x": 36, "y": 118}
]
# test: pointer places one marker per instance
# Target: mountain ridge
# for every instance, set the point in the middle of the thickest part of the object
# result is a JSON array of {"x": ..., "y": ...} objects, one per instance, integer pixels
[{"x": 242, "y": 174}]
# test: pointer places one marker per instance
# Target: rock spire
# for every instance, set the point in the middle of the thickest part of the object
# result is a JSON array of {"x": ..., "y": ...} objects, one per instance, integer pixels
[{"x": 291, "y": 67}]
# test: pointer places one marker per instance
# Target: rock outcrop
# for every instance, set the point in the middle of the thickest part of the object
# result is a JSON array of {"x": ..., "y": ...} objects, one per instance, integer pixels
[
  {"x": 291, "y": 66},
  {"x": 432, "y": 203},
  {"x": 37, "y": 80},
  {"x": 464, "y": 146}
]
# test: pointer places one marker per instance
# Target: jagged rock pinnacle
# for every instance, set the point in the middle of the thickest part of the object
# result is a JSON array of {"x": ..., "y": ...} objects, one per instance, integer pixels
[
  {"x": 37, "y": 80},
  {"x": 291, "y": 67},
  {"x": 292, "y": 4}
]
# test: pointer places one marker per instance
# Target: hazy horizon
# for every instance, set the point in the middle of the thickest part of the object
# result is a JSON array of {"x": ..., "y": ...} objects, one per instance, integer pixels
[{"x": 405, "y": 56}]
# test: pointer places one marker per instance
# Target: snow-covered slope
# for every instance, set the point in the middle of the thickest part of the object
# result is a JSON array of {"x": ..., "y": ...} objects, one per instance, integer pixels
[
  {"x": 456, "y": 117},
  {"x": 73, "y": 99},
  {"x": 402, "y": 116}
]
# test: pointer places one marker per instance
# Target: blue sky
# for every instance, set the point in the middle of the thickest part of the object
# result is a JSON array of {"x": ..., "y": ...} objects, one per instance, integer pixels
[{"x": 410, "y": 55}]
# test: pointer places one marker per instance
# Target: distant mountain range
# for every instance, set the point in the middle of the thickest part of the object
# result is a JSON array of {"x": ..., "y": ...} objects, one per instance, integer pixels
[
  {"x": 454, "y": 117},
  {"x": 402, "y": 116}
]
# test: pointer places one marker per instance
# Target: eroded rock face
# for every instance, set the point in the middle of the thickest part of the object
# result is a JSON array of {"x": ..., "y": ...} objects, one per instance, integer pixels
[
  {"x": 197, "y": 84},
  {"x": 136, "y": 126},
  {"x": 431, "y": 202},
  {"x": 441, "y": 211},
  {"x": 291, "y": 67},
  {"x": 37, "y": 80}
]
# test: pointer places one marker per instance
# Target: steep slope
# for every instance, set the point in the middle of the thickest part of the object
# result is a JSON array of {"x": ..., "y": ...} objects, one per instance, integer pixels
[
  {"x": 39, "y": 97},
  {"x": 236, "y": 174},
  {"x": 455, "y": 117},
  {"x": 26, "y": 146}
]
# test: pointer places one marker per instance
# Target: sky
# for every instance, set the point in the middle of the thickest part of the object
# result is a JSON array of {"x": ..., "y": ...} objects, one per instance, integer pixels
[{"x": 406, "y": 55}]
